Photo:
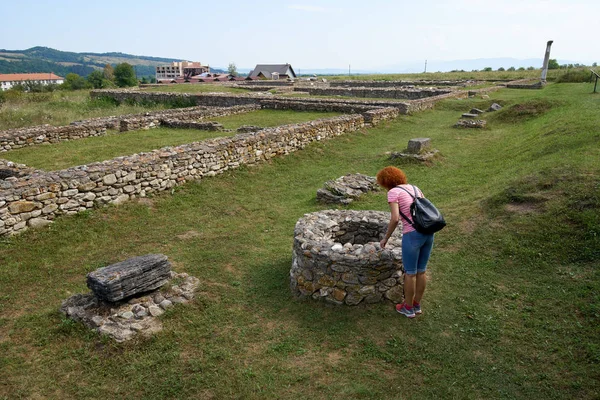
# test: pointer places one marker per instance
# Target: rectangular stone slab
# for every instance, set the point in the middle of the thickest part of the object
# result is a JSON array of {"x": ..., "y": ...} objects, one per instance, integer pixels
[{"x": 130, "y": 277}]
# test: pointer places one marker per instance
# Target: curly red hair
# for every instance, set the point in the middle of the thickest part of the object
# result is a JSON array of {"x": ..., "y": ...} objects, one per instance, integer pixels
[{"x": 390, "y": 177}]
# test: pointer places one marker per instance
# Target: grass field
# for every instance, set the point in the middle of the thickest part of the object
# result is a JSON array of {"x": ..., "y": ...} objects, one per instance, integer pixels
[
  {"x": 84, "y": 151},
  {"x": 512, "y": 310},
  {"x": 59, "y": 108},
  {"x": 553, "y": 74}
]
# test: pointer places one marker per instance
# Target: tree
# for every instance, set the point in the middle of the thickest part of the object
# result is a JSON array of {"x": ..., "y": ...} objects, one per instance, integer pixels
[
  {"x": 501, "y": 69},
  {"x": 96, "y": 79},
  {"x": 553, "y": 64},
  {"x": 232, "y": 69},
  {"x": 530, "y": 68},
  {"x": 74, "y": 82},
  {"x": 511, "y": 69},
  {"x": 125, "y": 75},
  {"x": 487, "y": 69},
  {"x": 109, "y": 73},
  {"x": 595, "y": 64}
]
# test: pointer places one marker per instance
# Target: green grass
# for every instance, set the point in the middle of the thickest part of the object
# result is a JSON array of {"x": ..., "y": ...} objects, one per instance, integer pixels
[
  {"x": 59, "y": 108},
  {"x": 512, "y": 310},
  {"x": 270, "y": 118},
  {"x": 553, "y": 75},
  {"x": 84, "y": 151}
]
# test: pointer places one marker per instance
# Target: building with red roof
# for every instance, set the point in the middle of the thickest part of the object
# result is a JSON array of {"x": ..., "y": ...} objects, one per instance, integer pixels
[{"x": 7, "y": 81}]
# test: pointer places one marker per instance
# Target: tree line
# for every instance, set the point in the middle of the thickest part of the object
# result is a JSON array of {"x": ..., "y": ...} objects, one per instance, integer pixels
[{"x": 122, "y": 75}]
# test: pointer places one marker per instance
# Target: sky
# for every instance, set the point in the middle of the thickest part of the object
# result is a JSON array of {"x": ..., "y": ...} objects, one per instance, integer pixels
[{"x": 362, "y": 35}]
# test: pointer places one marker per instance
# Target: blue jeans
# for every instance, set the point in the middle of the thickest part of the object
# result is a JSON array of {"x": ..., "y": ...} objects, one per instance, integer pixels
[{"x": 416, "y": 249}]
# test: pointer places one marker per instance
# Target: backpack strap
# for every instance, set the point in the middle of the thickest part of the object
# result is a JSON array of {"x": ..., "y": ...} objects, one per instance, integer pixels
[
  {"x": 416, "y": 194},
  {"x": 414, "y": 198}
]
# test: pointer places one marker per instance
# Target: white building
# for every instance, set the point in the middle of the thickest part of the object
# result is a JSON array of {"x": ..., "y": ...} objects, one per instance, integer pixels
[
  {"x": 180, "y": 70},
  {"x": 7, "y": 81}
]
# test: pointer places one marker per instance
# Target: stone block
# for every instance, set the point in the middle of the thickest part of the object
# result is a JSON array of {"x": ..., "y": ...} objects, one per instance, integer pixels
[
  {"x": 130, "y": 277},
  {"x": 21, "y": 207},
  {"x": 494, "y": 107},
  {"x": 418, "y": 145}
]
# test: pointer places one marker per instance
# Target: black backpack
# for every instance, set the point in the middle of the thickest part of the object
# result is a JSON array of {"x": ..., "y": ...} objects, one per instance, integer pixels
[{"x": 426, "y": 218}]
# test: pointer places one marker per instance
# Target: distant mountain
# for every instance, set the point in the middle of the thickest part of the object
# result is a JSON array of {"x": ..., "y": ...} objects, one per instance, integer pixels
[{"x": 45, "y": 59}]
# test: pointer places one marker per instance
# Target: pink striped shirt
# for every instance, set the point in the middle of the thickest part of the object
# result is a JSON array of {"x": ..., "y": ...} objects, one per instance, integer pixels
[{"x": 404, "y": 201}]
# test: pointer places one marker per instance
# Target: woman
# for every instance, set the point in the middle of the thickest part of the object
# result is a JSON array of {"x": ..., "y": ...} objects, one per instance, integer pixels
[{"x": 416, "y": 246}]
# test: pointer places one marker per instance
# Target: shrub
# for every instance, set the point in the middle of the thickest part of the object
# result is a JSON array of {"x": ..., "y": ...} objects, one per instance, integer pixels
[
  {"x": 125, "y": 75},
  {"x": 574, "y": 76},
  {"x": 2, "y": 96},
  {"x": 74, "y": 82}
]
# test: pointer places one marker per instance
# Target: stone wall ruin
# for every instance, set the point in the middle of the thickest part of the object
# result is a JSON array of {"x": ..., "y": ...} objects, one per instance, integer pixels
[{"x": 46, "y": 134}]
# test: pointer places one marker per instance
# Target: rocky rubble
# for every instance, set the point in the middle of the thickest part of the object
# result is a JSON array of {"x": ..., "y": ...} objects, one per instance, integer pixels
[
  {"x": 139, "y": 315},
  {"x": 346, "y": 189}
]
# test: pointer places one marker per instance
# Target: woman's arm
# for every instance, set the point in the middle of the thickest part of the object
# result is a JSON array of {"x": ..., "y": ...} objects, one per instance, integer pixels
[{"x": 395, "y": 210}]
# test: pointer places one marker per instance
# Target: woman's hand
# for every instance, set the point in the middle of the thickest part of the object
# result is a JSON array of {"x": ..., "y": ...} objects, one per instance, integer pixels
[{"x": 395, "y": 211}]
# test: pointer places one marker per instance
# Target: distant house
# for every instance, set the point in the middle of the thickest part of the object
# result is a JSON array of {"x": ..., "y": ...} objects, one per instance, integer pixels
[
  {"x": 273, "y": 71},
  {"x": 7, "y": 81},
  {"x": 180, "y": 70}
]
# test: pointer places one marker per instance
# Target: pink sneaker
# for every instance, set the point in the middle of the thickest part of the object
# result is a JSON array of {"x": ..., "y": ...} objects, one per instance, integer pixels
[{"x": 401, "y": 308}]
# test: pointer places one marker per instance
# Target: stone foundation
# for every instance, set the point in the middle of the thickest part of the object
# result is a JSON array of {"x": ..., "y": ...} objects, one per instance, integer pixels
[
  {"x": 377, "y": 93},
  {"x": 37, "y": 199},
  {"x": 393, "y": 84},
  {"x": 337, "y": 258},
  {"x": 137, "y": 316},
  {"x": 270, "y": 101},
  {"x": 46, "y": 134},
  {"x": 347, "y": 188}
]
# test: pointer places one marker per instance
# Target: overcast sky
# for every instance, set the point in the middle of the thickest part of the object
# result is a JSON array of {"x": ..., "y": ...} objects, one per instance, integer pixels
[{"x": 308, "y": 34}]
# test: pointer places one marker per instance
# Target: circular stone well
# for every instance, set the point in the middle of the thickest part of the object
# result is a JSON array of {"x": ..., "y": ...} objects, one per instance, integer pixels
[{"x": 337, "y": 258}]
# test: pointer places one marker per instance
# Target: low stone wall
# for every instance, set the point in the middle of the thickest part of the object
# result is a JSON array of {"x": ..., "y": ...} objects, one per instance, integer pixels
[
  {"x": 204, "y": 99},
  {"x": 11, "y": 171},
  {"x": 525, "y": 84},
  {"x": 35, "y": 200},
  {"x": 378, "y": 93},
  {"x": 153, "y": 120},
  {"x": 202, "y": 126},
  {"x": 44, "y": 134},
  {"x": 22, "y": 137},
  {"x": 280, "y": 102},
  {"x": 317, "y": 105},
  {"x": 265, "y": 83},
  {"x": 393, "y": 84},
  {"x": 425, "y": 104},
  {"x": 381, "y": 114},
  {"x": 484, "y": 91}
]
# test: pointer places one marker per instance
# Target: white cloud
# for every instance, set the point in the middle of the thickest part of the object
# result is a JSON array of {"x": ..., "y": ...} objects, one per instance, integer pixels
[{"x": 306, "y": 8}]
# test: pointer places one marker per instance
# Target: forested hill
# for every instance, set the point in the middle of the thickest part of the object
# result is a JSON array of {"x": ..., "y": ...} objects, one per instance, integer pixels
[{"x": 45, "y": 59}]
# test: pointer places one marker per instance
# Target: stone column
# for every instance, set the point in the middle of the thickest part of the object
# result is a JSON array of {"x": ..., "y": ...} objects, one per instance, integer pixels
[{"x": 546, "y": 59}]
